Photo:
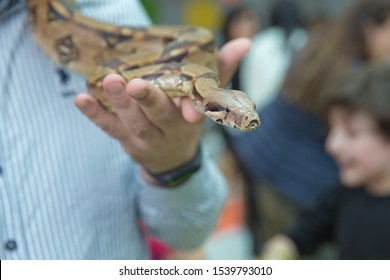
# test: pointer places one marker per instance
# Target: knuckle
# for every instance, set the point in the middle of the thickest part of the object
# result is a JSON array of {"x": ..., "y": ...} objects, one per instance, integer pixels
[
  {"x": 92, "y": 112},
  {"x": 121, "y": 103},
  {"x": 107, "y": 128},
  {"x": 112, "y": 130},
  {"x": 168, "y": 118},
  {"x": 148, "y": 101},
  {"x": 142, "y": 131}
]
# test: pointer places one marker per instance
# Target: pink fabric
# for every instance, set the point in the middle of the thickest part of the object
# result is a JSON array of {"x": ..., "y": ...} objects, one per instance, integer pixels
[{"x": 158, "y": 249}]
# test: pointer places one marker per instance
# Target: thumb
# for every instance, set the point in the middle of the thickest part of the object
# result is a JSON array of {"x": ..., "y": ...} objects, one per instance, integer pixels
[{"x": 188, "y": 111}]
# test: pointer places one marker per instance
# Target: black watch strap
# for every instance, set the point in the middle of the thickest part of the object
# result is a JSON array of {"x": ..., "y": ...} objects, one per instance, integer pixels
[{"x": 179, "y": 175}]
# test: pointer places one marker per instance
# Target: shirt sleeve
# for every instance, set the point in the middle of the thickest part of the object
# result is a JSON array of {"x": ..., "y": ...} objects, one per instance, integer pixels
[
  {"x": 183, "y": 217},
  {"x": 315, "y": 226},
  {"x": 119, "y": 12}
]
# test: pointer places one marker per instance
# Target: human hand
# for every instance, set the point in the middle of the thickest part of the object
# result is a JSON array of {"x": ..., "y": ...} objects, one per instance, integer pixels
[
  {"x": 279, "y": 247},
  {"x": 158, "y": 132}
]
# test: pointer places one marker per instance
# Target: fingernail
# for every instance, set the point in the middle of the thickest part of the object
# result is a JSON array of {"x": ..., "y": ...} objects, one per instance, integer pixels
[
  {"x": 82, "y": 105},
  {"x": 115, "y": 89},
  {"x": 139, "y": 95}
]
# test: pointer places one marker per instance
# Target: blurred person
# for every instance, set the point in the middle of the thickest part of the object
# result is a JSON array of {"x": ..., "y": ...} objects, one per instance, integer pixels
[
  {"x": 75, "y": 186},
  {"x": 287, "y": 156},
  {"x": 264, "y": 67},
  {"x": 241, "y": 21},
  {"x": 262, "y": 73},
  {"x": 354, "y": 216}
]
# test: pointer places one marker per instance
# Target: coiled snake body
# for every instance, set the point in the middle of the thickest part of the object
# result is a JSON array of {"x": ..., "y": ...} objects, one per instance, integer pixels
[{"x": 180, "y": 60}]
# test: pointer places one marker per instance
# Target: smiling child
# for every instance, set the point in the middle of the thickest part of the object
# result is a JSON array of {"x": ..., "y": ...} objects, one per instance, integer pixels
[{"x": 354, "y": 216}]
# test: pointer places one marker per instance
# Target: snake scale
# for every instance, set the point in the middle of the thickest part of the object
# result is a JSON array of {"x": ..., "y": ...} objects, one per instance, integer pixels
[{"x": 181, "y": 60}]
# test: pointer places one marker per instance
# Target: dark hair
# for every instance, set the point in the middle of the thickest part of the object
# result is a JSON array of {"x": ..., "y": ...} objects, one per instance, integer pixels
[
  {"x": 286, "y": 15},
  {"x": 367, "y": 89},
  {"x": 330, "y": 52},
  {"x": 230, "y": 16}
]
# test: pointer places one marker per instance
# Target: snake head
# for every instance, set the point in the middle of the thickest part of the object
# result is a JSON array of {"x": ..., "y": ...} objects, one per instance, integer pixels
[{"x": 232, "y": 108}]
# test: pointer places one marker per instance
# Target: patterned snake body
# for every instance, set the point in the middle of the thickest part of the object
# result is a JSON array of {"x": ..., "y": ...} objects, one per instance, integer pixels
[{"x": 180, "y": 60}]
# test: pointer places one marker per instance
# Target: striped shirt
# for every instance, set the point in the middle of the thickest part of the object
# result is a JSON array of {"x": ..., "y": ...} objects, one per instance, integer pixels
[
  {"x": 67, "y": 190},
  {"x": 8, "y": 7}
]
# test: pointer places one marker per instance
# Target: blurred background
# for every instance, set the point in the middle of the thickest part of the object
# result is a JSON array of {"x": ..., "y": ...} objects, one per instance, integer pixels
[
  {"x": 210, "y": 13},
  {"x": 282, "y": 169}
]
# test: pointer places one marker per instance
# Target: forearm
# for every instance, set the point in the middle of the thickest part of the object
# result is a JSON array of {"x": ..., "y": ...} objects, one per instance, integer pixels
[{"x": 184, "y": 216}]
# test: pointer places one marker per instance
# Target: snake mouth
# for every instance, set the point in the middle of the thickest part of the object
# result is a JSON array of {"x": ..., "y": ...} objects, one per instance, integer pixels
[{"x": 252, "y": 125}]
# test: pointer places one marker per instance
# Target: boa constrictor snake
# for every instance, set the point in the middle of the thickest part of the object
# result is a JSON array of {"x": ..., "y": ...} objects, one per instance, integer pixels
[{"x": 180, "y": 60}]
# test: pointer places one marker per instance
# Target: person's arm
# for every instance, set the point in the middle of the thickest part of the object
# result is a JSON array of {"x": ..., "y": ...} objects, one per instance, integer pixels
[
  {"x": 163, "y": 135},
  {"x": 279, "y": 247},
  {"x": 185, "y": 215},
  {"x": 315, "y": 226},
  {"x": 311, "y": 228},
  {"x": 118, "y": 12}
]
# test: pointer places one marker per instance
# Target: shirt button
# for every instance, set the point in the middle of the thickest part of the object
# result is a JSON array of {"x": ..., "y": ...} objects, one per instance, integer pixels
[{"x": 10, "y": 245}]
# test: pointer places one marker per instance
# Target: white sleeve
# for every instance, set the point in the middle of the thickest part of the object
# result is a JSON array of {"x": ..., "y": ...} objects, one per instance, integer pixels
[
  {"x": 185, "y": 216},
  {"x": 120, "y": 12}
]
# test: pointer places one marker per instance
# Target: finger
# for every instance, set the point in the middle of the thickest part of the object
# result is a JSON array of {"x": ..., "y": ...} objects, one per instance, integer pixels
[
  {"x": 188, "y": 111},
  {"x": 230, "y": 56},
  {"x": 157, "y": 106},
  {"x": 127, "y": 110},
  {"x": 101, "y": 117},
  {"x": 114, "y": 85}
]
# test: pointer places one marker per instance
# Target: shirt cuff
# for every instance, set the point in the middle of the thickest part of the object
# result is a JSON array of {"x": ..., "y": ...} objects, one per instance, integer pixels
[{"x": 208, "y": 180}]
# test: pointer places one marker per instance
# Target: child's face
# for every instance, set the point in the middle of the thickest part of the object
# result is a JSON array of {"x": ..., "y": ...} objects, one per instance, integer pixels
[
  {"x": 378, "y": 40},
  {"x": 361, "y": 152}
]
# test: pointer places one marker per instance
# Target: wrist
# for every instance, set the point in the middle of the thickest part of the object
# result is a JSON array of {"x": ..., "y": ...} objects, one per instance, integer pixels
[{"x": 177, "y": 176}]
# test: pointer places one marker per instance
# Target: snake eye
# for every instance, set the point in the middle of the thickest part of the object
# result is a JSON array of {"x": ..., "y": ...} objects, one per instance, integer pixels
[{"x": 214, "y": 107}]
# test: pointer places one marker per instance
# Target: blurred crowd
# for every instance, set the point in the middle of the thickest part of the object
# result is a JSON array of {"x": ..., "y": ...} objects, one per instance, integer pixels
[{"x": 318, "y": 170}]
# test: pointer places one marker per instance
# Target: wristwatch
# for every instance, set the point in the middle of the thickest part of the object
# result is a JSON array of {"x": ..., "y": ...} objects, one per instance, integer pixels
[{"x": 179, "y": 175}]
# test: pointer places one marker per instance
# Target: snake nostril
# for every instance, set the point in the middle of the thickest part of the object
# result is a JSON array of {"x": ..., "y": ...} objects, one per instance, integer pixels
[{"x": 254, "y": 123}]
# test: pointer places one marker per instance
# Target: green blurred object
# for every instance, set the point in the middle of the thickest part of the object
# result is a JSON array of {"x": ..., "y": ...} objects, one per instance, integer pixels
[{"x": 152, "y": 8}]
